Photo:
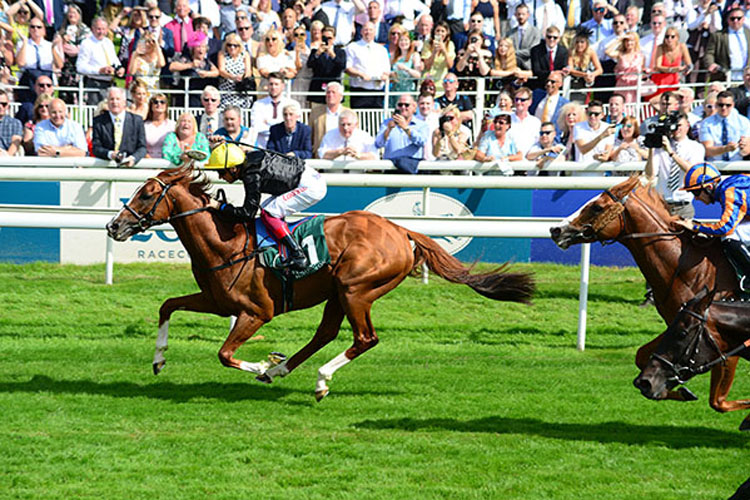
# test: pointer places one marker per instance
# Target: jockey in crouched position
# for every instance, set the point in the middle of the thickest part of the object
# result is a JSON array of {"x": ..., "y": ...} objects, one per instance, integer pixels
[
  {"x": 293, "y": 187},
  {"x": 733, "y": 193}
]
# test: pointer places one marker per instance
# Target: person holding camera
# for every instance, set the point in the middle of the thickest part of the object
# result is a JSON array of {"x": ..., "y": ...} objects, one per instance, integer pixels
[
  {"x": 327, "y": 63},
  {"x": 725, "y": 134},
  {"x": 368, "y": 65},
  {"x": 403, "y": 137},
  {"x": 118, "y": 135},
  {"x": 97, "y": 60},
  {"x": 450, "y": 141}
]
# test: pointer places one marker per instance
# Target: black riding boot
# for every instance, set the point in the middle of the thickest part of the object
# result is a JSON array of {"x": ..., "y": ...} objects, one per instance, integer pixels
[
  {"x": 297, "y": 260},
  {"x": 739, "y": 256}
]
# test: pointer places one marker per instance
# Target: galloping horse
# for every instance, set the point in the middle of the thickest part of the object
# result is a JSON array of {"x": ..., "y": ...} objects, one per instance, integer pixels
[
  {"x": 370, "y": 256},
  {"x": 688, "y": 348},
  {"x": 677, "y": 264}
]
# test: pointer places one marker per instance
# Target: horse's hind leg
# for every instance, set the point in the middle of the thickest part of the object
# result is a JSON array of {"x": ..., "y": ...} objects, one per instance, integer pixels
[
  {"x": 197, "y": 302},
  {"x": 244, "y": 328}
]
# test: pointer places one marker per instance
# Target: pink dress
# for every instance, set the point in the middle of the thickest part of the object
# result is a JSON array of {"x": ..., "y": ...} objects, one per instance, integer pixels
[{"x": 628, "y": 69}]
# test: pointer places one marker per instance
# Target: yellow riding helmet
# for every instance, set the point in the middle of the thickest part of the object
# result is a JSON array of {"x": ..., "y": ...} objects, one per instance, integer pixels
[{"x": 225, "y": 156}]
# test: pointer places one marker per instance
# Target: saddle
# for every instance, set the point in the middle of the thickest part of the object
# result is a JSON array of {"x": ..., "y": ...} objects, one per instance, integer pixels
[
  {"x": 308, "y": 232},
  {"x": 738, "y": 255}
]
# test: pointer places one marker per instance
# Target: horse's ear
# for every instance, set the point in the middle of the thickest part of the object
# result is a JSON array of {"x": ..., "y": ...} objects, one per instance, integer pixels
[{"x": 705, "y": 297}]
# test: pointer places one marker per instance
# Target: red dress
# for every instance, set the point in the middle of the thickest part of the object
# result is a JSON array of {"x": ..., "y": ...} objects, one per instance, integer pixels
[{"x": 667, "y": 78}]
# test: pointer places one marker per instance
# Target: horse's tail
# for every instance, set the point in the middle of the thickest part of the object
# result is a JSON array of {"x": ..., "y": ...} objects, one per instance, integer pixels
[{"x": 496, "y": 284}]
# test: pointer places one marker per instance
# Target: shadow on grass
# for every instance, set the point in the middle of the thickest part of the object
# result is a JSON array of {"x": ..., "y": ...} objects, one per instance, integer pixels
[
  {"x": 675, "y": 437},
  {"x": 168, "y": 391},
  {"x": 594, "y": 296}
]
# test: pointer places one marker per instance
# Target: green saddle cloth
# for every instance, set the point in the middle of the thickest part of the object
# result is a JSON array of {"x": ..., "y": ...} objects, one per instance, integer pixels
[{"x": 310, "y": 236}]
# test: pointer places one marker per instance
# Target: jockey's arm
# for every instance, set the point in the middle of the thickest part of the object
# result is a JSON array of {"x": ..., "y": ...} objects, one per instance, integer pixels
[{"x": 733, "y": 213}]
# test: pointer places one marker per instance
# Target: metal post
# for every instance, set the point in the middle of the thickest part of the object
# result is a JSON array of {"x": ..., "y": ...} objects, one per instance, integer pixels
[
  {"x": 110, "y": 258},
  {"x": 425, "y": 212},
  {"x": 583, "y": 295}
]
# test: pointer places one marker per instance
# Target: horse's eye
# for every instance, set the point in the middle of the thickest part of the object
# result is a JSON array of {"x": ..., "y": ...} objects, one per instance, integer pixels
[
  {"x": 145, "y": 197},
  {"x": 683, "y": 334},
  {"x": 596, "y": 209}
]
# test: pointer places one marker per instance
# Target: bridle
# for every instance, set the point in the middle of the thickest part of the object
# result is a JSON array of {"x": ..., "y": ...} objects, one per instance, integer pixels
[
  {"x": 679, "y": 372},
  {"x": 146, "y": 220}
]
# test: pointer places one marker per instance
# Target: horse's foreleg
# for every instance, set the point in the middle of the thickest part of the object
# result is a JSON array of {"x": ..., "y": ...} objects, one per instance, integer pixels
[
  {"x": 197, "y": 302},
  {"x": 722, "y": 377},
  {"x": 244, "y": 328}
]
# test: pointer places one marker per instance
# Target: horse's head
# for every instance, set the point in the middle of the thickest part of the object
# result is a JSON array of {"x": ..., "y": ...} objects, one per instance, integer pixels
[
  {"x": 687, "y": 349},
  {"x": 598, "y": 220},
  {"x": 147, "y": 207}
]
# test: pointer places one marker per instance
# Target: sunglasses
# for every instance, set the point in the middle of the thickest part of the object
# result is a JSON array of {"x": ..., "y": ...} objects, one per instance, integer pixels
[
  {"x": 402, "y": 104},
  {"x": 600, "y": 10},
  {"x": 274, "y": 39},
  {"x": 43, "y": 85},
  {"x": 628, "y": 125},
  {"x": 670, "y": 36},
  {"x": 154, "y": 17},
  {"x": 36, "y": 26},
  {"x": 546, "y": 132},
  {"x": 724, "y": 104},
  {"x": 618, "y": 22},
  {"x": 158, "y": 101},
  {"x": 552, "y": 81},
  {"x": 594, "y": 113},
  {"x": 449, "y": 80},
  {"x": 521, "y": 99},
  {"x": 476, "y": 20},
  {"x": 3, "y": 103},
  {"x": 243, "y": 29},
  {"x": 552, "y": 37},
  {"x": 24, "y": 12},
  {"x": 43, "y": 106},
  {"x": 735, "y": 18},
  {"x": 209, "y": 99},
  {"x": 709, "y": 106},
  {"x": 233, "y": 45}
]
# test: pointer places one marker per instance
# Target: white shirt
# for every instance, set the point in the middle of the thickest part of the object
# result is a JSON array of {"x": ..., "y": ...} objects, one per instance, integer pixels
[
  {"x": 584, "y": 131},
  {"x": 208, "y": 9},
  {"x": 692, "y": 152},
  {"x": 737, "y": 52},
  {"x": 373, "y": 59},
  {"x": 340, "y": 16},
  {"x": 359, "y": 140},
  {"x": 44, "y": 52},
  {"x": 555, "y": 16},
  {"x": 405, "y": 8},
  {"x": 216, "y": 121},
  {"x": 93, "y": 55},
  {"x": 332, "y": 119},
  {"x": 539, "y": 111},
  {"x": 432, "y": 121},
  {"x": 261, "y": 116},
  {"x": 524, "y": 132},
  {"x": 647, "y": 46}
]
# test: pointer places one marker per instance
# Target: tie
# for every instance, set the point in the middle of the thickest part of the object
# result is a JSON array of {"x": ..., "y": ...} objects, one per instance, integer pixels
[
  {"x": 551, "y": 62},
  {"x": 183, "y": 34},
  {"x": 675, "y": 174},
  {"x": 545, "y": 19},
  {"x": 741, "y": 43},
  {"x": 545, "y": 111},
  {"x": 598, "y": 31},
  {"x": 724, "y": 137},
  {"x": 336, "y": 18},
  {"x": 572, "y": 14},
  {"x": 50, "y": 12},
  {"x": 652, "y": 61},
  {"x": 38, "y": 62},
  {"x": 520, "y": 35},
  {"x": 209, "y": 126},
  {"x": 275, "y": 109},
  {"x": 118, "y": 132}
]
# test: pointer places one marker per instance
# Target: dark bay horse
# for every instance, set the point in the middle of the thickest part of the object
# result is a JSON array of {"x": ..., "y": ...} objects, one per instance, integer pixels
[
  {"x": 688, "y": 348},
  {"x": 676, "y": 264},
  {"x": 370, "y": 256}
]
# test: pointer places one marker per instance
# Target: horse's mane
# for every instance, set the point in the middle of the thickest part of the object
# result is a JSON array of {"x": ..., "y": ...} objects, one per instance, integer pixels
[
  {"x": 197, "y": 182},
  {"x": 647, "y": 194}
]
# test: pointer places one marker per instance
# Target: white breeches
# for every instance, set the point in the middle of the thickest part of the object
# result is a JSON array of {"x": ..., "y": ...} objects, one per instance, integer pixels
[
  {"x": 741, "y": 233},
  {"x": 312, "y": 188}
]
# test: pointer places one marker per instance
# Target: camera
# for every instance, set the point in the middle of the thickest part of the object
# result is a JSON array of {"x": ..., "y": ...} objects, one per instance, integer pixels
[
  {"x": 443, "y": 120},
  {"x": 663, "y": 127},
  {"x": 119, "y": 156},
  {"x": 327, "y": 40}
]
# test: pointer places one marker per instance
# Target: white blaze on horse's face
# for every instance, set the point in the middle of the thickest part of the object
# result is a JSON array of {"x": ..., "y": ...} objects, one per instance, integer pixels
[{"x": 562, "y": 229}]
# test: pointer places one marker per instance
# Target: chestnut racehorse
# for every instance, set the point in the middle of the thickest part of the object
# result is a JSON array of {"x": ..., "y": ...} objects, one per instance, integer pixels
[
  {"x": 675, "y": 263},
  {"x": 370, "y": 256}
]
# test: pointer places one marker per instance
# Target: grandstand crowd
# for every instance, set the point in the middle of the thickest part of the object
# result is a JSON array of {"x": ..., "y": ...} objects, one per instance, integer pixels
[{"x": 561, "y": 80}]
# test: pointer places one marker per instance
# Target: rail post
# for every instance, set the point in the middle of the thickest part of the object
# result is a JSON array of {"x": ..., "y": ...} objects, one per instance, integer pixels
[{"x": 583, "y": 295}]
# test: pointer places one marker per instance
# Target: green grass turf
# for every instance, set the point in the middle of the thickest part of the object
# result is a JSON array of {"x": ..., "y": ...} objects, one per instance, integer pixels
[{"x": 462, "y": 398}]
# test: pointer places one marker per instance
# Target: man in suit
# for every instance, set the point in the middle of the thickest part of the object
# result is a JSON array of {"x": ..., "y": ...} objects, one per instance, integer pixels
[
  {"x": 325, "y": 117},
  {"x": 729, "y": 49},
  {"x": 741, "y": 93},
  {"x": 54, "y": 16},
  {"x": 118, "y": 135},
  {"x": 547, "y": 105},
  {"x": 524, "y": 36},
  {"x": 291, "y": 137},
  {"x": 375, "y": 16},
  {"x": 545, "y": 52}
]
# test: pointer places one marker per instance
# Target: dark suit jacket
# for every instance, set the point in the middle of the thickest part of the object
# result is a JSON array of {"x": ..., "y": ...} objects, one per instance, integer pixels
[
  {"x": 540, "y": 63},
  {"x": 531, "y": 37},
  {"x": 536, "y": 98},
  {"x": 301, "y": 144},
  {"x": 133, "y": 140},
  {"x": 57, "y": 11},
  {"x": 380, "y": 37},
  {"x": 167, "y": 37},
  {"x": 717, "y": 50},
  {"x": 741, "y": 99}
]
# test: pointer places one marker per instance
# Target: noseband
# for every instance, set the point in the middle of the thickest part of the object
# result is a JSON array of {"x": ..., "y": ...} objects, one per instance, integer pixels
[
  {"x": 590, "y": 232},
  {"x": 146, "y": 220}
]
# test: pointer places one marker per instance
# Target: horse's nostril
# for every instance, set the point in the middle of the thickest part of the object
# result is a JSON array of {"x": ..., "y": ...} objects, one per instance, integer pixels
[
  {"x": 642, "y": 384},
  {"x": 555, "y": 232},
  {"x": 112, "y": 226}
]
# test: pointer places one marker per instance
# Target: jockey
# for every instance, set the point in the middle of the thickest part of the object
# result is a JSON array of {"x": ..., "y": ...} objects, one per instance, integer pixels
[
  {"x": 292, "y": 185},
  {"x": 705, "y": 182}
]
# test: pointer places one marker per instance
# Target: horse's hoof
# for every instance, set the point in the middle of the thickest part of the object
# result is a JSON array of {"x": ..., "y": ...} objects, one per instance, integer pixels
[
  {"x": 321, "y": 394},
  {"x": 158, "y": 366},
  {"x": 687, "y": 394},
  {"x": 264, "y": 378},
  {"x": 745, "y": 425}
]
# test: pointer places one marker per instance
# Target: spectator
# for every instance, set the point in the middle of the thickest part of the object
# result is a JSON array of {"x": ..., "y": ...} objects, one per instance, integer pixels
[
  {"x": 35, "y": 55},
  {"x": 97, "y": 60},
  {"x": 267, "y": 18},
  {"x": 506, "y": 67},
  {"x": 473, "y": 61},
  {"x": 72, "y": 32},
  {"x": 302, "y": 53},
  {"x": 375, "y": 16},
  {"x": 147, "y": 61},
  {"x": 721, "y": 54},
  {"x": 423, "y": 33},
  {"x": 268, "y": 111},
  {"x": 525, "y": 36},
  {"x": 428, "y": 87},
  {"x": 599, "y": 28},
  {"x": 547, "y": 57},
  {"x": 341, "y": 16},
  {"x": 403, "y": 137},
  {"x": 450, "y": 141},
  {"x": 292, "y": 137},
  {"x": 136, "y": 23},
  {"x": 686, "y": 96},
  {"x": 325, "y": 118},
  {"x": 59, "y": 136},
  {"x": 163, "y": 36},
  {"x": 632, "y": 16},
  {"x": 139, "y": 96},
  {"x": 616, "y": 109},
  {"x": 406, "y": 68},
  {"x": 394, "y": 33},
  {"x": 245, "y": 32},
  {"x": 497, "y": 145},
  {"x": 545, "y": 150},
  {"x": 230, "y": 13},
  {"x": 184, "y": 138},
  {"x": 347, "y": 141},
  {"x": 726, "y": 134},
  {"x": 553, "y": 13},
  {"x": 11, "y": 130},
  {"x": 234, "y": 67},
  {"x": 668, "y": 102},
  {"x": 19, "y": 14},
  {"x": 741, "y": 93},
  {"x": 610, "y": 43},
  {"x": 210, "y": 120},
  {"x": 426, "y": 112},
  {"x": 489, "y": 20},
  {"x": 524, "y": 125},
  {"x": 584, "y": 66},
  {"x": 118, "y": 135},
  {"x": 368, "y": 65},
  {"x": 476, "y": 23},
  {"x": 628, "y": 65},
  {"x": 39, "y": 113},
  {"x": 669, "y": 164},
  {"x": 233, "y": 129},
  {"x": 327, "y": 63},
  {"x": 546, "y": 106},
  {"x": 503, "y": 103},
  {"x": 181, "y": 26},
  {"x": 208, "y": 10},
  {"x": 651, "y": 41},
  {"x": 571, "y": 115},
  {"x": 671, "y": 59},
  {"x": 203, "y": 25},
  {"x": 702, "y": 22},
  {"x": 594, "y": 139},
  {"x": 628, "y": 146},
  {"x": 157, "y": 124},
  {"x": 405, "y": 11},
  {"x": 450, "y": 85},
  {"x": 42, "y": 86},
  {"x": 276, "y": 59},
  {"x": 439, "y": 55},
  {"x": 288, "y": 23},
  {"x": 197, "y": 67}
]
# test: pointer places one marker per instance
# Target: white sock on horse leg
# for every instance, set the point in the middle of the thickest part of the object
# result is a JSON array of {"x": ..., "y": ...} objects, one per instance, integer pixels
[
  {"x": 161, "y": 342},
  {"x": 325, "y": 373},
  {"x": 257, "y": 368}
]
